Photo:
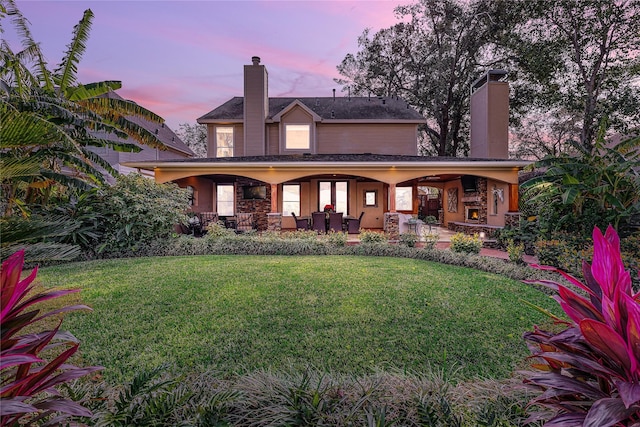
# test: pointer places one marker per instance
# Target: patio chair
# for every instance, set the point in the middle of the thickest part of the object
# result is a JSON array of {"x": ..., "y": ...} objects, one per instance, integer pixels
[
  {"x": 207, "y": 218},
  {"x": 335, "y": 221},
  {"x": 354, "y": 224},
  {"x": 319, "y": 221},
  {"x": 244, "y": 222},
  {"x": 301, "y": 223}
]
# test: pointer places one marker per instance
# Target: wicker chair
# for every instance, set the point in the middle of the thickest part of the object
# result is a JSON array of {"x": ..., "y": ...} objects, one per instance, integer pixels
[
  {"x": 354, "y": 224},
  {"x": 207, "y": 218},
  {"x": 319, "y": 221},
  {"x": 244, "y": 222},
  {"x": 335, "y": 221},
  {"x": 301, "y": 223}
]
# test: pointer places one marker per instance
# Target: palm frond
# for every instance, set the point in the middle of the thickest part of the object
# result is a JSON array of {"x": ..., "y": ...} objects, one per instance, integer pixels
[
  {"x": 24, "y": 166},
  {"x": 115, "y": 108},
  {"x": 65, "y": 74},
  {"x": 28, "y": 43},
  {"x": 35, "y": 253},
  {"x": 92, "y": 90}
]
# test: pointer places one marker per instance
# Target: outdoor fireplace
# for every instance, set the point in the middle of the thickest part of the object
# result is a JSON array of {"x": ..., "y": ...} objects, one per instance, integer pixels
[{"x": 472, "y": 214}]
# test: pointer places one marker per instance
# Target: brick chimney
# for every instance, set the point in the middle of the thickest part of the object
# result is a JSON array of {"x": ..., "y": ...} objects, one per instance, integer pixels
[
  {"x": 256, "y": 107},
  {"x": 490, "y": 116}
]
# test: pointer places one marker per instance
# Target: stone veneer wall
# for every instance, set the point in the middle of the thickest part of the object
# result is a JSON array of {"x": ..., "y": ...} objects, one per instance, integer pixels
[
  {"x": 512, "y": 219},
  {"x": 259, "y": 208},
  {"x": 274, "y": 221},
  {"x": 478, "y": 198},
  {"x": 392, "y": 225}
]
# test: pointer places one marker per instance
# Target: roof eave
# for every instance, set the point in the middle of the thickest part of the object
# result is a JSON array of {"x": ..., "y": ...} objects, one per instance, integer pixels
[{"x": 501, "y": 164}]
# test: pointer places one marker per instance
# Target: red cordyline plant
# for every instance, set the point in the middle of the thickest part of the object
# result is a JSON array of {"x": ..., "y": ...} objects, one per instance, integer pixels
[
  {"x": 589, "y": 373},
  {"x": 28, "y": 382}
]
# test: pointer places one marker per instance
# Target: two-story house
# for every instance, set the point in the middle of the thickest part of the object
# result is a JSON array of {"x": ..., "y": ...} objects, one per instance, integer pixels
[{"x": 274, "y": 156}]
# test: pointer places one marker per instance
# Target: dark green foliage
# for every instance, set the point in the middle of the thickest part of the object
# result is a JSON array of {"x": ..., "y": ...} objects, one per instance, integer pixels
[
  {"x": 137, "y": 210},
  {"x": 308, "y": 398}
]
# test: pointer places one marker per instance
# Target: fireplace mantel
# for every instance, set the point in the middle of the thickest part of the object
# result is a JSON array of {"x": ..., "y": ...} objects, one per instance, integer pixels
[{"x": 471, "y": 199}]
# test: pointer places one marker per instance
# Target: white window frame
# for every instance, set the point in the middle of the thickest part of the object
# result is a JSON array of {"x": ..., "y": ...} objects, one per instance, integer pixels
[
  {"x": 222, "y": 205},
  {"x": 286, "y": 139},
  {"x": 233, "y": 141},
  {"x": 293, "y": 204}
]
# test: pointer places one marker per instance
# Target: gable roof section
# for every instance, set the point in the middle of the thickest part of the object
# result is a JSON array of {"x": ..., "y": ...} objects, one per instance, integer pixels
[
  {"x": 328, "y": 109},
  {"x": 294, "y": 104}
]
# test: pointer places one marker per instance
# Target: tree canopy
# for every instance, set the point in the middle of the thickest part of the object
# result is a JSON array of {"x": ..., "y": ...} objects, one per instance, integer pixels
[{"x": 572, "y": 62}]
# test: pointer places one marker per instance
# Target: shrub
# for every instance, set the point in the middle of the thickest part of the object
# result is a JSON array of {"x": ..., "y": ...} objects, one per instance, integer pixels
[
  {"x": 216, "y": 230},
  {"x": 368, "y": 236},
  {"x": 409, "y": 239},
  {"x": 588, "y": 372},
  {"x": 515, "y": 251},
  {"x": 336, "y": 238},
  {"x": 29, "y": 381},
  {"x": 138, "y": 210},
  {"x": 466, "y": 243},
  {"x": 430, "y": 240}
]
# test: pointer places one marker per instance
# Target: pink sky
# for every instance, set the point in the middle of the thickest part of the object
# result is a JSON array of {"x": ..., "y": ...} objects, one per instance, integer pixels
[{"x": 181, "y": 59}]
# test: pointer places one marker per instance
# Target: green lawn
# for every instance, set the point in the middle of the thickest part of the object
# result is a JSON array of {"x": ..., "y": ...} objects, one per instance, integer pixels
[{"x": 234, "y": 314}]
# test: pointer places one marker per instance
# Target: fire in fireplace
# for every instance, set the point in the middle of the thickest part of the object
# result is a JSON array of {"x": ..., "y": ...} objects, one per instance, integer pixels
[{"x": 472, "y": 213}]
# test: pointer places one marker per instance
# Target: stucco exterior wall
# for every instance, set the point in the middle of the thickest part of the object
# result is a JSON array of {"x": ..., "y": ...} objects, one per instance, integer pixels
[
  {"x": 490, "y": 121},
  {"x": 496, "y": 208},
  {"x": 204, "y": 197},
  {"x": 350, "y": 138}
]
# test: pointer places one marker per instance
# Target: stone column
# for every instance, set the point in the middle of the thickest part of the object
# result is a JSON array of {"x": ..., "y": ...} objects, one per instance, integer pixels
[
  {"x": 512, "y": 219},
  {"x": 274, "y": 221},
  {"x": 392, "y": 225}
]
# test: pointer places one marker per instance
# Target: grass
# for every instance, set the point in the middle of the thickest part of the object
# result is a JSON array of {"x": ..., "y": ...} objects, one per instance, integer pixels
[{"x": 352, "y": 315}]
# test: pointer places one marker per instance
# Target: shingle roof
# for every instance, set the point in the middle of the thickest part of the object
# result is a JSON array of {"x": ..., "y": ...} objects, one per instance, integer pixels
[{"x": 328, "y": 108}]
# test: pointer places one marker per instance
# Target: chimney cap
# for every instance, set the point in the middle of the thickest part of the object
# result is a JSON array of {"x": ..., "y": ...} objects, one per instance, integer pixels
[
  {"x": 255, "y": 60},
  {"x": 490, "y": 75}
]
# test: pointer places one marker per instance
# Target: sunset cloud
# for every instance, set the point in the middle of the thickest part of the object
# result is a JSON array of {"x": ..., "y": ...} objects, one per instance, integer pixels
[{"x": 181, "y": 59}]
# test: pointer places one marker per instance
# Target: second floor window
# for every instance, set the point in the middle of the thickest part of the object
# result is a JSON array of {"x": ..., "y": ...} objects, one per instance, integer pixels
[
  {"x": 224, "y": 141},
  {"x": 297, "y": 137}
]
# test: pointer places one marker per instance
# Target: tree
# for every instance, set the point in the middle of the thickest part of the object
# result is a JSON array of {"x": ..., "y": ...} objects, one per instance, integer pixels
[
  {"x": 195, "y": 137},
  {"x": 575, "y": 56},
  {"x": 430, "y": 61},
  {"x": 544, "y": 134},
  {"x": 49, "y": 122},
  {"x": 50, "y": 116}
]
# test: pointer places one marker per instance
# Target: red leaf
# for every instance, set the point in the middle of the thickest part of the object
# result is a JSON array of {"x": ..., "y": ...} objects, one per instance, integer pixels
[
  {"x": 607, "y": 266},
  {"x": 13, "y": 289},
  {"x": 65, "y": 406},
  {"x": 629, "y": 392},
  {"x": 566, "y": 420},
  {"x": 607, "y": 412},
  {"x": 14, "y": 406},
  {"x": 44, "y": 297},
  {"x": 608, "y": 341},
  {"x": 576, "y": 307},
  {"x": 633, "y": 328},
  {"x": 17, "y": 359}
]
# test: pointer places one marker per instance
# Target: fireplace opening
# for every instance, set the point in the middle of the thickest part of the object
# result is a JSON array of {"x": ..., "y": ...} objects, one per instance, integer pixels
[{"x": 472, "y": 214}]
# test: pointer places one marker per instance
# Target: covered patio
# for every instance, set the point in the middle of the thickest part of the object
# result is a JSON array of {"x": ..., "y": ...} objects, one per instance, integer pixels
[{"x": 383, "y": 187}]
